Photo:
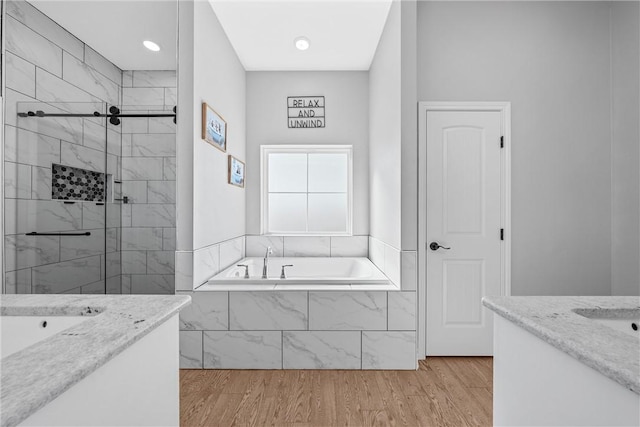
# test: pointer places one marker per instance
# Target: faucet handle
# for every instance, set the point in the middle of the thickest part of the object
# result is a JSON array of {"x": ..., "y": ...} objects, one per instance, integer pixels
[
  {"x": 282, "y": 275},
  {"x": 246, "y": 270}
]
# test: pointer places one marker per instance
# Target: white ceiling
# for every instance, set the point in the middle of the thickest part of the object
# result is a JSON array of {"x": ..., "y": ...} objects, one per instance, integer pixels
[
  {"x": 344, "y": 34},
  {"x": 117, "y": 28}
]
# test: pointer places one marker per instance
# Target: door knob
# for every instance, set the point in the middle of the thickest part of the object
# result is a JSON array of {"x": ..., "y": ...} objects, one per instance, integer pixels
[{"x": 434, "y": 246}]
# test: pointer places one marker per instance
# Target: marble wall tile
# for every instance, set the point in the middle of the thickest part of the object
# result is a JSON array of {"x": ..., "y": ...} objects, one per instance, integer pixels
[
  {"x": 113, "y": 264},
  {"x": 151, "y": 96},
  {"x": 135, "y": 190},
  {"x": 153, "y": 145},
  {"x": 268, "y": 310},
  {"x": 114, "y": 142},
  {"x": 142, "y": 168},
  {"x": 95, "y": 288},
  {"x": 134, "y": 125},
  {"x": 142, "y": 239},
  {"x": 65, "y": 128},
  {"x": 126, "y": 215},
  {"x": 347, "y": 310},
  {"x": 392, "y": 264},
  {"x": 126, "y": 284},
  {"x": 160, "y": 262},
  {"x": 321, "y": 350},
  {"x": 29, "y": 251},
  {"x": 31, "y": 17},
  {"x": 114, "y": 285},
  {"x": 23, "y": 146},
  {"x": 376, "y": 252},
  {"x": 82, "y": 246},
  {"x": 113, "y": 212},
  {"x": 161, "y": 124},
  {"x": 81, "y": 157},
  {"x": 20, "y": 74},
  {"x": 144, "y": 78},
  {"x": 409, "y": 271},
  {"x": 29, "y": 45},
  {"x": 350, "y": 246},
  {"x": 161, "y": 192},
  {"x": 388, "y": 350},
  {"x": 17, "y": 181},
  {"x": 209, "y": 311},
  {"x": 190, "y": 349},
  {"x": 184, "y": 270},
  {"x": 63, "y": 276},
  {"x": 134, "y": 262},
  {"x": 152, "y": 284},
  {"x": 126, "y": 144},
  {"x": 206, "y": 264},
  {"x": 94, "y": 136},
  {"x": 231, "y": 252},
  {"x": 256, "y": 246},
  {"x": 127, "y": 78},
  {"x": 112, "y": 240},
  {"x": 243, "y": 350},
  {"x": 169, "y": 168},
  {"x": 307, "y": 246},
  {"x": 50, "y": 88},
  {"x": 18, "y": 282},
  {"x": 144, "y": 215},
  {"x": 24, "y": 216},
  {"x": 88, "y": 79},
  {"x": 170, "y": 97},
  {"x": 402, "y": 311},
  {"x": 102, "y": 65},
  {"x": 93, "y": 216},
  {"x": 169, "y": 239}
]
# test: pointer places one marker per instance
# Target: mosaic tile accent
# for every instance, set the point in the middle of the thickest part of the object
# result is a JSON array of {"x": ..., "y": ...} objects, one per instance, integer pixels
[{"x": 68, "y": 183}]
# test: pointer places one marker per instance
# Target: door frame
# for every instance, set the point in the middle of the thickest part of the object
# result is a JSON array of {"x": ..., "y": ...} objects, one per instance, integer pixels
[{"x": 504, "y": 108}]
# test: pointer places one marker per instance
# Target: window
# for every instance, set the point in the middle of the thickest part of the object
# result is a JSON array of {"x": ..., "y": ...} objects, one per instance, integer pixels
[{"x": 306, "y": 189}]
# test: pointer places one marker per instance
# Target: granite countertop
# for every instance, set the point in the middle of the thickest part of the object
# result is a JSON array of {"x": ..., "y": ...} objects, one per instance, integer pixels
[
  {"x": 35, "y": 375},
  {"x": 613, "y": 353}
]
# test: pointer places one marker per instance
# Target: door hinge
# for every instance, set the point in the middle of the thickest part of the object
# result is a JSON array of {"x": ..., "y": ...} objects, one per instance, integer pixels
[
  {"x": 502, "y": 142},
  {"x": 502, "y": 234}
]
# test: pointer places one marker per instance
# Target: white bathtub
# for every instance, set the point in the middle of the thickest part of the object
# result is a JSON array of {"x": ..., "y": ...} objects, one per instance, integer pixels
[{"x": 306, "y": 273}]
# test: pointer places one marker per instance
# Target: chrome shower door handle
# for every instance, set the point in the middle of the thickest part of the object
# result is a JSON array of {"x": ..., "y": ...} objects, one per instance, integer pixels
[{"x": 282, "y": 273}]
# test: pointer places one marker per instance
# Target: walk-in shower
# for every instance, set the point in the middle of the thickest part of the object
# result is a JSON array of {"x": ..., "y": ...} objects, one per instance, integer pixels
[{"x": 66, "y": 213}]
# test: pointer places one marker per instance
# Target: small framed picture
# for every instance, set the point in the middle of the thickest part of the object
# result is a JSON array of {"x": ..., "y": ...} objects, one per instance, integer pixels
[
  {"x": 236, "y": 172},
  {"x": 214, "y": 128}
]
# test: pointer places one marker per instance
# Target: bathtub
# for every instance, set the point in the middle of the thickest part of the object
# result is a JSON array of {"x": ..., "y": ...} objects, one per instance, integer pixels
[{"x": 305, "y": 274}]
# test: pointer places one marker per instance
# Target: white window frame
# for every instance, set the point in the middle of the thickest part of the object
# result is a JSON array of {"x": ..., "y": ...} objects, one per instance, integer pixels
[{"x": 265, "y": 150}]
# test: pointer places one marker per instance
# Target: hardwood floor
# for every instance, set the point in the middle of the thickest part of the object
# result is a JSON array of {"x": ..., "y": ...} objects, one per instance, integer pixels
[{"x": 445, "y": 391}]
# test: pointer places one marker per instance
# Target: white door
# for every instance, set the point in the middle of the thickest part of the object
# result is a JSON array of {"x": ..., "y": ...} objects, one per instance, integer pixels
[{"x": 464, "y": 217}]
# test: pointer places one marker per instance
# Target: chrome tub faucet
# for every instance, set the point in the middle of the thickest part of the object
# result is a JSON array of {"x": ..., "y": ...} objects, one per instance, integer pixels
[{"x": 265, "y": 261}]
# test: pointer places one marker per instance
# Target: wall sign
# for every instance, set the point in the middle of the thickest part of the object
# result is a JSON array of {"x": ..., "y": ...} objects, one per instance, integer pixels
[{"x": 305, "y": 112}]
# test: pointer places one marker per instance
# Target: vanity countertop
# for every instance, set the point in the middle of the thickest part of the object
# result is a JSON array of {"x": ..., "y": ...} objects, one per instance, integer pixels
[
  {"x": 35, "y": 375},
  {"x": 555, "y": 320}
]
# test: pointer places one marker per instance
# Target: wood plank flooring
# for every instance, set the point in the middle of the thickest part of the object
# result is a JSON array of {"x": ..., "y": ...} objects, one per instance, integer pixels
[{"x": 444, "y": 391}]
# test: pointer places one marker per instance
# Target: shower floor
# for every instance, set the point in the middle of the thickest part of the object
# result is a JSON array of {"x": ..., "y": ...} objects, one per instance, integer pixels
[{"x": 443, "y": 391}]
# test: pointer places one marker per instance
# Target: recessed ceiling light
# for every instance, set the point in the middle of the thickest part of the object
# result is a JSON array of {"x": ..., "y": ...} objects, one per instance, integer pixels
[
  {"x": 151, "y": 45},
  {"x": 302, "y": 43}
]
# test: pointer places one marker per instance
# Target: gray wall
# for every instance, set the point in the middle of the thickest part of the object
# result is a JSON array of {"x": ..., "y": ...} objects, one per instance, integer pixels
[
  {"x": 552, "y": 61},
  {"x": 210, "y": 211},
  {"x": 625, "y": 56},
  {"x": 347, "y": 118},
  {"x": 385, "y": 132}
]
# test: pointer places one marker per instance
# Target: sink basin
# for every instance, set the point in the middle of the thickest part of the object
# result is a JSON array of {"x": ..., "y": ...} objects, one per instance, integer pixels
[
  {"x": 19, "y": 332},
  {"x": 623, "y": 320}
]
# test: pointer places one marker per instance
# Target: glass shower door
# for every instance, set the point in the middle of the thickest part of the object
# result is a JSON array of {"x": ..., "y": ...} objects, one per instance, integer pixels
[{"x": 61, "y": 220}]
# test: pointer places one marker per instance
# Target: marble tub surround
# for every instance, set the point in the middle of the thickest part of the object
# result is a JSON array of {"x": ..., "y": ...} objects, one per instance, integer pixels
[
  {"x": 557, "y": 321},
  {"x": 36, "y": 375},
  {"x": 308, "y": 246},
  {"x": 399, "y": 266},
  {"x": 299, "y": 330}
]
